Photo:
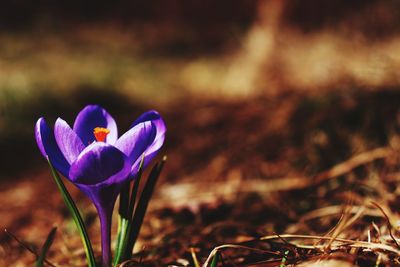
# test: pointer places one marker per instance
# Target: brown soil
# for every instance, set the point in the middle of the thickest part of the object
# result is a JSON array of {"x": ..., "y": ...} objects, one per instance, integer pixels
[{"x": 301, "y": 171}]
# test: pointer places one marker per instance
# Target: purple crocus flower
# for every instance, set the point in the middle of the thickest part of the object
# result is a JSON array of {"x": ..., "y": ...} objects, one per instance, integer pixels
[{"x": 99, "y": 163}]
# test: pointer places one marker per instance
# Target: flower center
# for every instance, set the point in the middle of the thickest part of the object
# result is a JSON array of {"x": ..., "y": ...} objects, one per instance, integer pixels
[{"x": 100, "y": 133}]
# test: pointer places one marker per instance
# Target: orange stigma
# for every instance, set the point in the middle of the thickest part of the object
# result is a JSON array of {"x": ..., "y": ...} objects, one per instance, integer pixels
[{"x": 100, "y": 133}]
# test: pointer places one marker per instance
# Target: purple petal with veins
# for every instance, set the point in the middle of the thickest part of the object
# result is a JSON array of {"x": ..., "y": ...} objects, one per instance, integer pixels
[
  {"x": 67, "y": 140},
  {"x": 93, "y": 116},
  {"x": 135, "y": 141},
  {"x": 49, "y": 148},
  {"x": 100, "y": 165}
]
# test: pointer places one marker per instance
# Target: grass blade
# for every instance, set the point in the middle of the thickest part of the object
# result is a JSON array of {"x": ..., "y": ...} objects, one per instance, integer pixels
[
  {"x": 284, "y": 259},
  {"x": 141, "y": 207},
  {"x": 122, "y": 221},
  {"x": 46, "y": 247},
  {"x": 135, "y": 190},
  {"x": 194, "y": 257},
  {"x": 76, "y": 216},
  {"x": 121, "y": 240},
  {"x": 25, "y": 246},
  {"x": 215, "y": 260},
  {"x": 127, "y": 205}
]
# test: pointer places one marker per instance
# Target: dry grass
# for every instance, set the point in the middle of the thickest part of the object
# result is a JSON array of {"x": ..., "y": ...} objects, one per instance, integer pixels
[{"x": 286, "y": 142}]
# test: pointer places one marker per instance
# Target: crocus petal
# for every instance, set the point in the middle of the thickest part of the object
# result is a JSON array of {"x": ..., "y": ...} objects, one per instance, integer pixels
[
  {"x": 68, "y": 142},
  {"x": 158, "y": 141},
  {"x": 150, "y": 115},
  {"x": 135, "y": 141},
  {"x": 156, "y": 119},
  {"x": 93, "y": 116},
  {"x": 49, "y": 148},
  {"x": 99, "y": 165}
]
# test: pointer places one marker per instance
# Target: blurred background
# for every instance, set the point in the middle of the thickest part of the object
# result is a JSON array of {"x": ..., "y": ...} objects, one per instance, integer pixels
[
  {"x": 131, "y": 56},
  {"x": 250, "y": 90}
]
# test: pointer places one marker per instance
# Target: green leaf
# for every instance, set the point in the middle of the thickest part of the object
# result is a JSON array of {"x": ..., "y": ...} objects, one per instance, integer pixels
[
  {"x": 121, "y": 237},
  {"x": 135, "y": 190},
  {"x": 284, "y": 259},
  {"x": 215, "y": 260},
  {"x": 127, "y": 204},
  {"x": 122, "y": 221},
  {"x": 141, "y": 208},
  {"x": 46, "y": 247},
  {"x": 76, "y": 216},
  {"x": 25, "y": 246}
]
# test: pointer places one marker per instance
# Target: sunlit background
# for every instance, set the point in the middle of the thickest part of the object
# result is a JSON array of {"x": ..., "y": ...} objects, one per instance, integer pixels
[
  {"x": 251, "y": 90},
  {"x": 56, "y": 57}
]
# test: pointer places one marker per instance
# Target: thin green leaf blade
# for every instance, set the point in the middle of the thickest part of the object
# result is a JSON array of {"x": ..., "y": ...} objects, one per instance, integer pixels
[
  {"x": 126, "y": 216},
  {"x": 142, "y": 205},
  {"x": 284, "y": 259},
  {"x": 121, "y": 240},
  {"x": 135, "y": 190},
  {"x": 76, "y": 217},
  {"x": 215, "y": 260},
  {"x": 25, "y": 246},
  {"x": 46, "y": 247},
  {"x": 122, "y": 222}
]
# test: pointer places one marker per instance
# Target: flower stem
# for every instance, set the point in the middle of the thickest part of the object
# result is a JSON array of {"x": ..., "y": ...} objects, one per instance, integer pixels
[{"x": 105, "y": 224}]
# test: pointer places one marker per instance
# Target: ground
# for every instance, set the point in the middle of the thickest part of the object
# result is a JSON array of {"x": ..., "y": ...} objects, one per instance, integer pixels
[
  {"x": 313, "y": 176},
  {"x": 283, "y": 125}
]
